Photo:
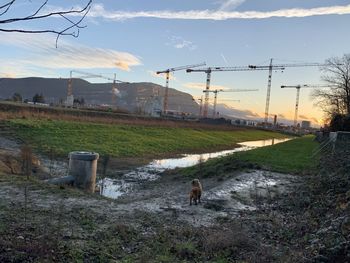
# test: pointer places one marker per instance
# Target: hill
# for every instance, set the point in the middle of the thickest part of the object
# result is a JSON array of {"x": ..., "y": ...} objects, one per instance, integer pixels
[{"x": 131, "y": 96}]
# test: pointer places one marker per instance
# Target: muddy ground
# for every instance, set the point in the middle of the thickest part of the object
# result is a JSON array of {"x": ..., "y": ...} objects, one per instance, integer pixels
[
  {"x": 152, "y": 222},
  {"x": 167, "y": 195}
]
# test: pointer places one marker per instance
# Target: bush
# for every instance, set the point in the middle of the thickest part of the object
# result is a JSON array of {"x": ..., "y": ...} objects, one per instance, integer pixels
[{"x": 340, "y": 122}]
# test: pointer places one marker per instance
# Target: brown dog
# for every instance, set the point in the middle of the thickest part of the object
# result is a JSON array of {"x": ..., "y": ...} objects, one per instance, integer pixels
[{"x": 196, "y": 192}]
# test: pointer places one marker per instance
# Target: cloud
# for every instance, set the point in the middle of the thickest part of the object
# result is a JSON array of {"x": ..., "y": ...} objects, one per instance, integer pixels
[
  {"x": 11, "y": 68},
  {"x": 230, "y": 4},
  {"x": 8, "y": 73},
  {"x": 224, "y": 109},
  {"x": 163, "y": 76},
  {"x": 180, "y": 43},
  {"x": 224, "y": 58},
  {"x": 116, "y": 92},
  {"x": 202, "y": 86},
  {"x": 304, "y": 117},
  {"x": 98, "y": 11},
  {"x": 42, "y": 53},
  {"x": 314, "y": 120},
  {"x": 281, "y": 116}
]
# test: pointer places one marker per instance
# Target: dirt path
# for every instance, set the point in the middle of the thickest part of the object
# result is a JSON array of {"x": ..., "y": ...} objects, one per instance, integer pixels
[
  {"x": 167, "y": 196},
  {"x": 152, "y": 219}
]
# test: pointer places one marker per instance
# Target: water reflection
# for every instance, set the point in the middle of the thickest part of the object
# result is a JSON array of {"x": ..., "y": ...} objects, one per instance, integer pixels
[{"x": 115, "y": 188}]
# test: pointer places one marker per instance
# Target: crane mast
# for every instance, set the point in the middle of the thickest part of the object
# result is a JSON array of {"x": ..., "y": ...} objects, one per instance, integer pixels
[
  {"x": 167, "y": 77},
  {"x": 206, "y": 97},
  {"x": 200, "y": 106},
  {"x": 208, "y": 71},
  {"x": 221, "y": 90},
  {"x": 84, "y": 75},
  {"x": 268, "y": 94},
  {"x": 298, "y": 87},
  {"x": 282, "y": 67}
]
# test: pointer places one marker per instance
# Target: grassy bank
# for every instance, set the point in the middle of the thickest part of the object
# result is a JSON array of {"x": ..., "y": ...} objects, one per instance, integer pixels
[
  {"x": 294, "y": 156},
  {"x": 289, "y": 157},
  {"x": 126, "y": 140}
]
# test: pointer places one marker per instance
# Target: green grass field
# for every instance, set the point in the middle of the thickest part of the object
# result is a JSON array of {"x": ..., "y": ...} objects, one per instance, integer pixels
[
  {"x": 61, "y": 137},
  {"x": 294, "y": 156}
]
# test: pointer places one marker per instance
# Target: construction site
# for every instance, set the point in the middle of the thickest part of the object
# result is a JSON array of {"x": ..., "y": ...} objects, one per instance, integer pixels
[
  {"x": 137, "y": 99},
  {"x": 118, "y": 144},
  {"x": 123, "y": 191}
]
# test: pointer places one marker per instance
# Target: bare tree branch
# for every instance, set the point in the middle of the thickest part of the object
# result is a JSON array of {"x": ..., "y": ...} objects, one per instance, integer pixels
[
  {"x": 66, "y": 31},
  {"x": 7, "y": 6},
  {"x": 337, "y": 99}
]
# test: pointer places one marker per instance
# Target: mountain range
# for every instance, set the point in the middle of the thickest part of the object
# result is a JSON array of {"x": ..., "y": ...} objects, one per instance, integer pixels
[{"x": 128, "y": 96}]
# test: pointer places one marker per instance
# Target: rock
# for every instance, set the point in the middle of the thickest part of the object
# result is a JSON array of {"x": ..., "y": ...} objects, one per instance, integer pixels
[
  {"x": 348, "y": 195},
  {"x": 4, "y": 168},
  {"x": 9, "y": 164},
  {"x": 345, "y": 226}
]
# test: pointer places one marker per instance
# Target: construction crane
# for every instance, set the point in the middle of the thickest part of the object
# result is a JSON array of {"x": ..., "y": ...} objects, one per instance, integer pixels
[
  {"x": 85, "y": 75},
  {"x": 221, "y": 90},
  {"x": 167, "y": 77},
  {"x": 114, "y": 88},
  {"x": 282, "y": 67},
  {"x": 208, "y": 71},
  {"x": 200, "y": 105},
  {"x": 298, "y": 87}
]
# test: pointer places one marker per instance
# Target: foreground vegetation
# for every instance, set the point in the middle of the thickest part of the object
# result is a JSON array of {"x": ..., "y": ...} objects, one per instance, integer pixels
[
  {"x": 294, "y": 156},
  {"x": 62, "y": 137},
  {"x": 42, "y": 223}
]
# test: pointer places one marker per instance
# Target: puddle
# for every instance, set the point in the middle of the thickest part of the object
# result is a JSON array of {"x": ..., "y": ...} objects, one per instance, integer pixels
[
  {"x": 152, "y": 171},
  {"x": 115, "y": 188},
  {"x": 248, "y": 186},
  {"x": 246, "y": 191}
]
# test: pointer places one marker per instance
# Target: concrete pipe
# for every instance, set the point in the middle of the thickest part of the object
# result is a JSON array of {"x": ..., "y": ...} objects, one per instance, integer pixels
[{"x": 83, "y": 166}]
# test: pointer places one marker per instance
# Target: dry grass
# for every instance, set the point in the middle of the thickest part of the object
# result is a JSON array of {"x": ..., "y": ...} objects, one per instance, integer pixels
[{"x": 13, "y": 111}]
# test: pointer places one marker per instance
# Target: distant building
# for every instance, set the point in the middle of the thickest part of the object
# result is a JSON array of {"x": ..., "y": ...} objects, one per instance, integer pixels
[
  {"x": 305, "y": 124},
  {"x": 153, "y": 106},
  {"x": 69, "y": 101}
]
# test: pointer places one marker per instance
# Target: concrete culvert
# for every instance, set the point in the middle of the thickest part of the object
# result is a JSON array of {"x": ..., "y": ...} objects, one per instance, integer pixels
[{"x": 83, "y": 166}]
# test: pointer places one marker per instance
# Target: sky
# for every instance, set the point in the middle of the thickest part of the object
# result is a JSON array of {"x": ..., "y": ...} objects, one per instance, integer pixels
[{"x": 136, "y": 38}]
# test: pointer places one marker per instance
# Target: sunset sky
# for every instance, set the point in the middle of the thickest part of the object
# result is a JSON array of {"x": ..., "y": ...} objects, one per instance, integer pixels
[{"x": 135, "y": 38}]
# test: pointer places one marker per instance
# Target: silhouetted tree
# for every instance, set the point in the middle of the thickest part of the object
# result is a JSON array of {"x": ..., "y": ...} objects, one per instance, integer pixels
[
  {"x": 38, "y": 98},
  {"x": 17, "y": 97},
  {"x": 41, "y": 11},
  {"x": 339, "y": 122},
  {"x": 335, "y": 100},
  {"x": 80, "y": 102}
]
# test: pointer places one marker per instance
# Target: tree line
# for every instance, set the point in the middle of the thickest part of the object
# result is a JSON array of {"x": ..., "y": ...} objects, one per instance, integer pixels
[
  {"x": 39, "y": 98},
  {"x": 335, "y": 101}
]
